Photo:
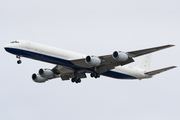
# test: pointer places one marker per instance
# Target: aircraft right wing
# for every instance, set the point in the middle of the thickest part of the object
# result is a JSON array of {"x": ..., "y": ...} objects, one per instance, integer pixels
[
  {"x": 105, "y": 60},
  {"x": 109, "y": 62},
  {"x": 146, "y": 51}
]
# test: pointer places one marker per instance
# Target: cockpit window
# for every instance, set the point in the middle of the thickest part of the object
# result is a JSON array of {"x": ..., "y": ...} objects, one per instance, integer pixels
[{"x": 15, "y": 41}]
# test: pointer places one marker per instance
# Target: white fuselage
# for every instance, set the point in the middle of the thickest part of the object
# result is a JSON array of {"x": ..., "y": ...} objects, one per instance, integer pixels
[{"x": 56, "y": 53}]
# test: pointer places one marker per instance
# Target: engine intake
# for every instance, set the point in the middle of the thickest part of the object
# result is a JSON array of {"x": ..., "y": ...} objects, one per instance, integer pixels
[
  {"x": 92, "y": 60},
  {"x": 45, "y": 73},
  {"x": 38, "y": 79},
  {"x": 120, "y": 56}
]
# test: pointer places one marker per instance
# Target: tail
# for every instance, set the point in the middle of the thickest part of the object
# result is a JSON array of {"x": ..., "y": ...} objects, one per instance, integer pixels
[{"x": 145, "y": 63}]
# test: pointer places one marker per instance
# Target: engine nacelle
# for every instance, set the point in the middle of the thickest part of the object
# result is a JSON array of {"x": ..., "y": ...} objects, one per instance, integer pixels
[
  {"x": 45, "y": 73},
  {"x": 120, "y": 56},
  {"x": 38, "y": 79},
  {"x": 92, "y": 60}
]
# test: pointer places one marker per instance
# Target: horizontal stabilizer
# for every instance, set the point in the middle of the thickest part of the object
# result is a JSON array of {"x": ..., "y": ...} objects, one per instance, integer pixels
[
  {"x": 147, "y": 51},
  {"x": 151, "y": 73}
]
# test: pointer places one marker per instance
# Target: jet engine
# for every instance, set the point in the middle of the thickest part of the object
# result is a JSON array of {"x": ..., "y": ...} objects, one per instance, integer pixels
[
  {"x": 92, "y": 60},
  {"x": 45, "y": 73},
  {"x": 120, "y": 56},
  {"x": 38, "y": 79}
]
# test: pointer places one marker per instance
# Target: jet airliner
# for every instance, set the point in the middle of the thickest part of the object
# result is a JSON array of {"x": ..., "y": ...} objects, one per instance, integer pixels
[{"x": 74, "y": 66}]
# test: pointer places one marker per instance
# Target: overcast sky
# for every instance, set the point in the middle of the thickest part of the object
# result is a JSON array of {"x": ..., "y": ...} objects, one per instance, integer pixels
[{"x": 95, "y": 27}]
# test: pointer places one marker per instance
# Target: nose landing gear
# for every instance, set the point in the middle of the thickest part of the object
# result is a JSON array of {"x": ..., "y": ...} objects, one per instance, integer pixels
[{"x": 19, "y": 61}]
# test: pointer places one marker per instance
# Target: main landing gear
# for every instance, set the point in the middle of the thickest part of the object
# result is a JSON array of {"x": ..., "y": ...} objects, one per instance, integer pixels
[
  {"x": 76, "y": 80},
  {"x": 95, "y": 75},
  {"x": 19, "y": 61}
]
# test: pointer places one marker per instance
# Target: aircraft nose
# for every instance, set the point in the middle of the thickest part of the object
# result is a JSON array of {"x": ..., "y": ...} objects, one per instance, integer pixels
[{"x": 7, "y": 47}]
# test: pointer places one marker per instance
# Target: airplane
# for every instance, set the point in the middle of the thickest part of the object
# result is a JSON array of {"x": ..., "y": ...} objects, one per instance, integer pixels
[{"x": 74, "y": 66}]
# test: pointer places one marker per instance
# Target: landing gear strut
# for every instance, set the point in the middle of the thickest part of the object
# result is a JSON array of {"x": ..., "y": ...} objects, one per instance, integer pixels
[
  {"x": 95, "y": 74},
  {"x": 19, "y": 61}
]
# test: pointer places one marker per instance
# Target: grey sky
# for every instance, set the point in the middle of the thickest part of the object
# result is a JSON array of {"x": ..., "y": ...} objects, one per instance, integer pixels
[{"x": 95, "y": 27}]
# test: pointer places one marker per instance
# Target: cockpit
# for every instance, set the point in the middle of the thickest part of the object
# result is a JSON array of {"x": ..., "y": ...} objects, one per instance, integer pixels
[{"x": 15, "y": 41}]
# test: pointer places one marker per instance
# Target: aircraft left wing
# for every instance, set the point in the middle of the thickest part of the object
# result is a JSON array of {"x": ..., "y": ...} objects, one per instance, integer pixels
[{"x": 66, "y": 72}]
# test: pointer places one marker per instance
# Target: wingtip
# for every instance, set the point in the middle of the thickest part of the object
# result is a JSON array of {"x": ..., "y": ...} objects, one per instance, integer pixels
[
  {"x": 174, "y": 66},
  {"x": 171, "y": 45}
]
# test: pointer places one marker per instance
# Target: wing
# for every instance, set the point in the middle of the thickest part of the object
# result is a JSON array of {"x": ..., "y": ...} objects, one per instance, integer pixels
[
  {"x": 108, "y": 62},
  {"x": 105, "y": 60},
  {"x": 66, "y": 72},
  {"x": 146, "y": 51}
]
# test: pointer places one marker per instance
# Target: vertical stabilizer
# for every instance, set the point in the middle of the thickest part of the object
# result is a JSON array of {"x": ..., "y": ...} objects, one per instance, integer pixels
[{"x": 145, "y": 62}]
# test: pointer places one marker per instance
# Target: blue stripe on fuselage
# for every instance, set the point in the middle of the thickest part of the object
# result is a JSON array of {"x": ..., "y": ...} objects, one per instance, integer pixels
[
  {"x": 58, "y": 61},
  {"x": 118, "y": 75},
  {"x": 41, "y": 57}
]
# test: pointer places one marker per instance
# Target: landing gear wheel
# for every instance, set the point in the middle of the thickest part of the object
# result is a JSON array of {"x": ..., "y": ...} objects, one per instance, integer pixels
[
  {"x": 98, "y": 75},
  {"x": 92, "y": 75},
  {"x": 95, "y": 75},
  {"x": 76, "y": 80},
  {"x": 79, "y": 80},
  {"x": 19, "y": 62},
  {"x": 73, "y": 80}
]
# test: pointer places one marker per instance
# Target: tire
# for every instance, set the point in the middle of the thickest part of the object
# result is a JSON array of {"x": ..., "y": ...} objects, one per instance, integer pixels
[
  {"x": 92, "y": 75},
  {"x": 73, "y": 80},
  {"x": 79, "y": 80},
  {"x": 19, "y": 62}
]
